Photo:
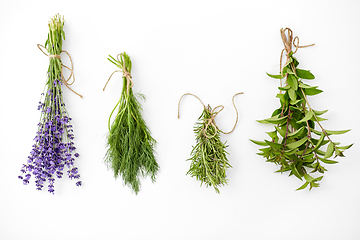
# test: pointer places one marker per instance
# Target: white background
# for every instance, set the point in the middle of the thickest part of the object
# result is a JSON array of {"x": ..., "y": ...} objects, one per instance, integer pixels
[{"x": 212, "y": 49}]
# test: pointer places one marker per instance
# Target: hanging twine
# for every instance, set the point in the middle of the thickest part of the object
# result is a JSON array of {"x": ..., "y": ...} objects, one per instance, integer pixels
[
  {"x": 213, "y": 114},
  {"x": 126, "y": 74},
  {"x": 288, "y": 42},
  {"x": 65, "y": 81}
]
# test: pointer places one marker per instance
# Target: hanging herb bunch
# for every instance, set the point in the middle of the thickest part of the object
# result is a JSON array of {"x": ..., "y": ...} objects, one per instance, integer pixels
[
  {"x": 209, "y": 157},
  {"x": 130, "y": 146},
  {"x": 54, "y": 148},
  {"x": 299, "y": 144}
]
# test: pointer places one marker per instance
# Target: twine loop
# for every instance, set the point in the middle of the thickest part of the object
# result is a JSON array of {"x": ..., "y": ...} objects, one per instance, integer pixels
[
  {"x": 213, "y": 114},
  {"x": 288, "y": 42},
  {"x": 126, "y": 74},
  {"x": 72, "y": 75}
]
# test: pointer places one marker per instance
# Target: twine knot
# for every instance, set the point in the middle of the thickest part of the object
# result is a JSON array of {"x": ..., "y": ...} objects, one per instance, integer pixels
[
  {"x": 288, "y": 42},
  {"x": 213, "y": 114},
  {"x": 126, "y": 74},
  {"x": 72, "y": 75}
]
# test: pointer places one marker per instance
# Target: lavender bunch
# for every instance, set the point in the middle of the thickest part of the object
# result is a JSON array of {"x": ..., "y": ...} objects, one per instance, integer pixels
[{"x": 54, "y": 147}]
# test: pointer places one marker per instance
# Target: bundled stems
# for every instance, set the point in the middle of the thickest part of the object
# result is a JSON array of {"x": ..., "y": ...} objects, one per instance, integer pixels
[
  {"x": 54, "y": 147},
  {"x": 208, "y": 157},
  {"x": 294, "y": 145},
  {"x": 130, "y": 151}
]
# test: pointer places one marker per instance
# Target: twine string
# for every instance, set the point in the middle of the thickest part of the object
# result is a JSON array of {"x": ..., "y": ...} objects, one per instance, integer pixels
[
  {"x": 213, "y": 114},
  {"x": 288, "y": 42},
  {"x": 72, "y": 75},
  {"x": 126, "y": 74}
]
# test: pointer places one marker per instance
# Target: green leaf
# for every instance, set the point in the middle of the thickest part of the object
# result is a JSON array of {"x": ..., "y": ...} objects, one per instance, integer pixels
[
  {"x": 303, "y": 186},
  {"x": 275, "y": 119},
  {"x": 303, "y": 85},
  {"x": 304, "y": 74},
  {"x": 296, "y": 133},
  {"x": 328, "y": 161},
  {"x": 291, "y": 151},
  {"x": 275, "y": 146},
  {"x": 345, "y": 147},
  {"x": 292, "y": 81},
  {"x": 295, "y": 171},
  {"x": 272, "y": 134},
  {"x": 260, "y": 143},
  {"x": 337, "y": 132},
  {"x": 330, "y": 150},
  {"x": 281, "y": 131},
  {"x": 307, "y": 117},
  {"x": 315, "y": 131},
  {"x": 297, "y": 143},
  {"x": 318, "y": 113},
  {"x": 320, "y": 141},
  {"x": 318, "y": 179},
  {"x": 314, "y": 184},
  {"x": 308, "y": 178},
  {"x": 292, "y": 94},
  {"x": 274, "y": 76},
  {"x": 296, "y": 102},
  {"x": 312, "y": 91}
]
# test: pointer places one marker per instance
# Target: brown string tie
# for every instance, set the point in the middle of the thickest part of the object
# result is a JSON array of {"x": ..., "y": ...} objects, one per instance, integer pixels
[
  {"x": 65, "y": 81},
  {"x": 126, "y": 75},
  {"x": 213, "y": 113},
  {"x": 288, "y": 42}
]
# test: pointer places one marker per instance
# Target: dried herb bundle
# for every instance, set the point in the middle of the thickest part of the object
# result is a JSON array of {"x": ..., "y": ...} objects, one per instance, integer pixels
[
  {"x": 130, "y": 146},
  {"x": 208, "y": 157},
  {"x": 54, "y": 147},
  {"x": 295, "y": 144}
]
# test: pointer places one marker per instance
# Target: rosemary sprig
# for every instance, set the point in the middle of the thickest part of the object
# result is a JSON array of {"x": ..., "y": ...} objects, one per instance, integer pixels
[
  {"x": 208, "y": 157},
  {"x": 130, "y": 146},
  {"x": 294, "y": 144}
]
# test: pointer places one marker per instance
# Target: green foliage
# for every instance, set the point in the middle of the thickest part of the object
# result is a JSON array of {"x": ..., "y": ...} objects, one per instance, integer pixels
[
  {"x": 208, "y": 157},
  {"x": 295, "y": 145},
  {"x": 130, "y": 151}
]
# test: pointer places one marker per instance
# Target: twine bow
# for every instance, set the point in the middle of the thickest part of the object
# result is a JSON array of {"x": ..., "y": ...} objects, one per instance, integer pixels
[
  {"x": 213, "y": 114},
  {"x": 65, "y": 81},
  {"x": 288, "y": 42},
  {"x": 126, "y": 74}
]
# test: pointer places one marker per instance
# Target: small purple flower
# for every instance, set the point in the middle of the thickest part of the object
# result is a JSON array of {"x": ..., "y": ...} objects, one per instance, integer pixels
[{"x": 54, "y": 147}]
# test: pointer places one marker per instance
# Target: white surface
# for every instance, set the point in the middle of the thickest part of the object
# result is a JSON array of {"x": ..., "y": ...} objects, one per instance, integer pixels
[{"x": 208, "y": 48}]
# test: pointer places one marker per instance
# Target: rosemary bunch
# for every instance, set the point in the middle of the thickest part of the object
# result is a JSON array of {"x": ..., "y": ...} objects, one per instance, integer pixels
[
  {"x": 130, "y": 146},
  {"x": 295, "y": 144},
  {"x": 54, "y": 147},
  {"x": 208, "y": 157}
]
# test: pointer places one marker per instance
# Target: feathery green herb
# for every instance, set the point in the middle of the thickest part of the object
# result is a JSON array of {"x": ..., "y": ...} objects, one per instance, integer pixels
[
  {"x": 130, "y": 146},
  {"x": 295, "y": 145}
]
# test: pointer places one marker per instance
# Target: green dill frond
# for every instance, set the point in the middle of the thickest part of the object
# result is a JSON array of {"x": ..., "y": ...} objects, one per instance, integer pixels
[{"x": 130, "y": 151}]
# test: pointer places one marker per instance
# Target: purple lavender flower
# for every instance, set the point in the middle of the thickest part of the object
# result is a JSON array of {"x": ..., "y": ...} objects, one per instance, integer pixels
[{"x": 54, "y": 147}]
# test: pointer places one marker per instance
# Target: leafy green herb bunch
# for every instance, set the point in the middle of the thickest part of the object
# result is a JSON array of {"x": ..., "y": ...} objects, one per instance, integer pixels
[
  {"x": 299, "y": 143},
  {"x": 130, "y": 151},
  {"x": 209, "y": 157}
]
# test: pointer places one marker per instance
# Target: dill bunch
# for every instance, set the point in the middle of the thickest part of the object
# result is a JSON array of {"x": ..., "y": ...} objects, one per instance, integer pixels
[
  {"x": 130, "y": 151},
  {"x": 208, "y": 157}
]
